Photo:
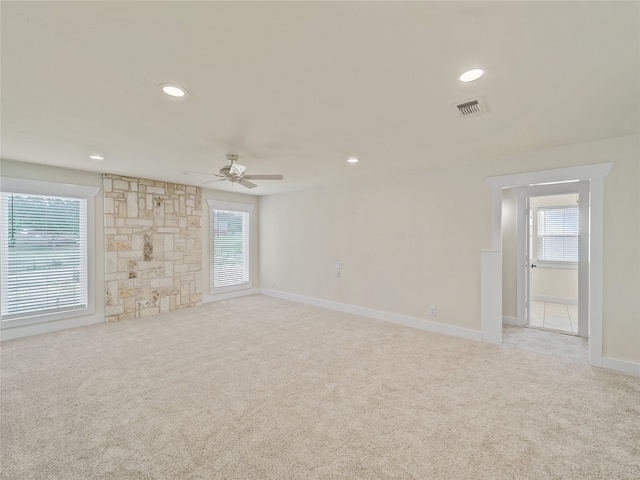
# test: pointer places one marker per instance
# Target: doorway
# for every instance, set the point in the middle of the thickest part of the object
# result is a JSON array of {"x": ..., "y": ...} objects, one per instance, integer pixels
[
  {"x": 491, "y": 260},
  {"x": 546, "y": 244}
]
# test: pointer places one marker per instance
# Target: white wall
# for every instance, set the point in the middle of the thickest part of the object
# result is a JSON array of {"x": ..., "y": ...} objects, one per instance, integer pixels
[
  {"x": 550, "y": 282},
  {"x": 412, "y": 240},
  {"x": 406, "y": 242}
]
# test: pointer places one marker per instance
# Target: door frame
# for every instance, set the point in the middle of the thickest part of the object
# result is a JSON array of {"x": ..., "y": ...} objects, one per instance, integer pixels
[
  {"x": 491, "y": 260},
  {"x": 523, "y": 275}
]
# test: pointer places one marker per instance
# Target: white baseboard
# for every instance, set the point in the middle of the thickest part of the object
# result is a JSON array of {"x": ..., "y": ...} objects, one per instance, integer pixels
[
  {"x": 622, "y": 366},
  {"x": 543, "y": 298},
  {"x": 512, "y": 321},
  {"x": 11, "y": 333},
  {"x": 407, "y": 321},
  {"x": 225, "y": 296}
]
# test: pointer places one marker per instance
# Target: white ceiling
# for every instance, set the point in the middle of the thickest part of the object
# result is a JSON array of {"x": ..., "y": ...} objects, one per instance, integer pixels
[{"x": 297, "y": 87}]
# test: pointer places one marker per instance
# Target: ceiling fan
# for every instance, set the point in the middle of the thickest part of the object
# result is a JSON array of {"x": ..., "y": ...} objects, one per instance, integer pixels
[{"x": 235, "y": 173}]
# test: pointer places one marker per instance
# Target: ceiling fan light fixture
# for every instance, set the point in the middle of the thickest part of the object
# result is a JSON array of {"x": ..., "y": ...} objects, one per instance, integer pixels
[
  {"x": 235, "y": 173},
  {"x": 175, "y": 91},
  {"x": 471, "y": 75},
  {"x": 237, "y": 169}
]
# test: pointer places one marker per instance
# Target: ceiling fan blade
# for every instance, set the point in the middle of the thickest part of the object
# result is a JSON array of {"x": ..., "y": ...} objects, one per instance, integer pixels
[
  {"x": 247, "y": 183},
  {"x": 216, "y": 180},
  {"x": 264, "y": 177}
]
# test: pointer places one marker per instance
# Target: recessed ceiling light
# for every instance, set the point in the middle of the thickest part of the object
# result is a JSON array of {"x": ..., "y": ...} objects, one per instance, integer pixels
[
  {"x": 352, "y": 160},
  {"x": 173, "y": 90},
  {"x": 471, "y": 75},
  {"x": 97, "y": 158}
]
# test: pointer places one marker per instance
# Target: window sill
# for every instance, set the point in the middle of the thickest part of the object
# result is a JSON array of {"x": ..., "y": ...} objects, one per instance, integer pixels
[
  {"x": 47, "y": 317},
  {"x": 231, "y": 288}
]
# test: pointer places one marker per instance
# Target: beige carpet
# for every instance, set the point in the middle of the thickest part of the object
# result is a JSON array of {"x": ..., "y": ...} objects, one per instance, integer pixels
[{"x": 260, "y": 388}]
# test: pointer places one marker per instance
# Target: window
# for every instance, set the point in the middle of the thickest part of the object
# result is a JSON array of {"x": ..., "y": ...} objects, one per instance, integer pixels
[
  {"x": 230, "y": 246},
  {"x": 44, "y": 245},
  {"x": 558, "y": 234}
]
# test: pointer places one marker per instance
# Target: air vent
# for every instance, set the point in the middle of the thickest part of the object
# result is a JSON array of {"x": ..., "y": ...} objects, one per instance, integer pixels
[{"x": 471, "y": 108}]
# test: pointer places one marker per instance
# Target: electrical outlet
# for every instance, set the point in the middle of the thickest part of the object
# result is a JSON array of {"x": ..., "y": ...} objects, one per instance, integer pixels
[
  {"x": 338, "y": 264},
  {"x": 337, "y": 274},
  {"x": 433, "y": 311}
]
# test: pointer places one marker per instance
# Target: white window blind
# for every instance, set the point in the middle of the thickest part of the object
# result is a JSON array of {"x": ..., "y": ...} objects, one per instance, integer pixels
[
  {"x": 230, "y": 248},
  {"x": 44, "y": 254},
  {"x": 558, "y": 234}
]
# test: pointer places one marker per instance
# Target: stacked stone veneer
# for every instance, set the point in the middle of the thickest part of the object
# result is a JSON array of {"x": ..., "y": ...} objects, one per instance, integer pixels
[{"x": 153, "y": 243}]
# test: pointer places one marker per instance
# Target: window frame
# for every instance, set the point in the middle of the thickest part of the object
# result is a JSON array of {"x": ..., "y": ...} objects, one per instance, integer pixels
[
  {"x": 85, "y": 192},
  {"x": 235, "y": 207},
  {"x": 554, "y": 263}
]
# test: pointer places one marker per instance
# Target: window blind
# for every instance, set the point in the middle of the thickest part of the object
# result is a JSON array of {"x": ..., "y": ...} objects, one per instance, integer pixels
[
  {"x": 558, "y": 234},
  {"x": 44, "y": 254},
  {"x": 230, "y": 248}
]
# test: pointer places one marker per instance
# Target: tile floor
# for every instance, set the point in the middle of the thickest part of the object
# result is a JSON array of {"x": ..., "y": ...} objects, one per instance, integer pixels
[
  {"x": 554, "y": 316},
  {"x": 549, "y": 343}
]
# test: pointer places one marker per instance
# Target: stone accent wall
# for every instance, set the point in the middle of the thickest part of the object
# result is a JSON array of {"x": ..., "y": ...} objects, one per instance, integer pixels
[{"x": 153, "y": 242}]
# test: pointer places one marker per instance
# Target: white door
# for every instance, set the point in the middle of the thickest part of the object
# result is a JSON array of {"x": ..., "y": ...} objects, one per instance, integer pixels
[
  {"x": 525, "y": 247},
  {"x": 584, "y": 201},
  {"x": 529, "y": 265}
]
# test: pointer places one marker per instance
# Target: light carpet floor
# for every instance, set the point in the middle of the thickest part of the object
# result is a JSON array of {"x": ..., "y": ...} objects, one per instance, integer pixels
[{"x": 261, "y": 388}]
